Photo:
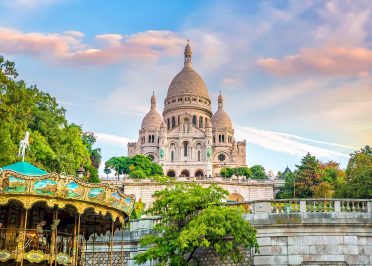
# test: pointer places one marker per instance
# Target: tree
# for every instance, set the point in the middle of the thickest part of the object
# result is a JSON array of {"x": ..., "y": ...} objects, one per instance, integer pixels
[
  {"x": 107, "y": 171},
  {"x": 192, "y": 219},
  {"x": 56, "y": 145},
  {"x": 306, "y": 177},
  {"x": 359, "y": 187},
  {"x": 243, "y": 171},
  {"x": 258, "y": 172},
  {"x": 226, "y": 172},
  {"x": 286, "y": 192},
  {"x": 358, "y": 176},
  {"x": 138, "y": 166},
  {"x": 359, "y": 160},
  {"x": 323, "y": 190}
]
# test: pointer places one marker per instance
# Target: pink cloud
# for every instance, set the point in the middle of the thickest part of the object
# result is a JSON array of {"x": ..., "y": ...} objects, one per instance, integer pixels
[
  {"x": 69, "y": 46},
  {"x": 327, "y": 60}
]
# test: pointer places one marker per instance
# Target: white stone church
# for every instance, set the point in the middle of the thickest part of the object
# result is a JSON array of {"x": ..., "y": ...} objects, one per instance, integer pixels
[{"x": 188, "y": 140}]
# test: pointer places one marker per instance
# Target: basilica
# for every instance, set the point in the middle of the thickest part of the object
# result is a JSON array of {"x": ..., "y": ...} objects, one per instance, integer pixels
[{"x": 188, "y": 140}]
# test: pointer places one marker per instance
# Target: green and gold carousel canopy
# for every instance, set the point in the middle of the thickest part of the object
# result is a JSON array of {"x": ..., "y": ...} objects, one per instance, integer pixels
[{"x": 28, "y": 184}]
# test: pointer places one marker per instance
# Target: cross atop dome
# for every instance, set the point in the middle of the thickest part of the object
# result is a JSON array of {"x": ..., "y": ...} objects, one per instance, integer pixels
[{"x": 188, "y": 53}]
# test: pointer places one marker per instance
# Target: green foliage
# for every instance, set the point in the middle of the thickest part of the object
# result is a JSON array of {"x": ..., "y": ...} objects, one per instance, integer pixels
[
  {"x": 237, "y": 171},
  {"x": 258, "y": 172},
  {"x": 359, "y": 161},
  {"x": 226, "y": 172},
  {"x": 358, "y": 176},
  {"x": 139, "y": 166},
  {"x": 138, "y": 173},
  {"x": 55, "y": 145},
  {"x": 190, "y": 220},
  {"x": 107, "y": 171},
  {"x": 360, "y": 186},
  {"x": 212, "y": 226}
]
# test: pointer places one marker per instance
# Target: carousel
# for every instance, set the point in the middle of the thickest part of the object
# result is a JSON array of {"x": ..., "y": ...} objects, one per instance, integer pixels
[{"x": 47, "y": 218}]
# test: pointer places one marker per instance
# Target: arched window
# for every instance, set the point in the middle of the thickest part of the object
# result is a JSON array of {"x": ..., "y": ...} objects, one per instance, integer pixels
[
  {"x": 223, "y": 138},
  {"x": 214, "y": 139},
  {"x": 149, "y": 138},
  {"x": 153, "y": 138},
  {"x": 171, "y": 173},
  {"x": 173, "y": 122},
  {"x": 172, "y": 156},
  {"x": 185, "y": 147},
  {"x": 201, "y": 122},
  {"x": 206, "y": 121},
  {"x": 168, "y": 124},
  {"x": 178, "y": 120},
  {"x": 219, "y": 138},
  {"x": 199, "y": 159},
  {"x": 194, "y": 120}
]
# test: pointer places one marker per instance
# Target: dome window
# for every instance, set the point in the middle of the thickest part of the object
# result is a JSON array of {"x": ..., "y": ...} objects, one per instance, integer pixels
[{"x": 194, "y": 120}]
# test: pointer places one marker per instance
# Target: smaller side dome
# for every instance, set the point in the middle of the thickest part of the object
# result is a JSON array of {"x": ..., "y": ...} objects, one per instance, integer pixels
[
  {"x": 152, "y": 119},
  {"x": 221, "y": 119}
]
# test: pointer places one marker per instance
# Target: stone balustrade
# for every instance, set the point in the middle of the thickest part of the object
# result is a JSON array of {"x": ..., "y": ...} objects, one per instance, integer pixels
[{"x": 289, "y": 232}]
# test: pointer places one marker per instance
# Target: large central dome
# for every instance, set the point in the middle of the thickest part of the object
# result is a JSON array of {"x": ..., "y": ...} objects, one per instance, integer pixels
[{"x": 188, "y": 81}]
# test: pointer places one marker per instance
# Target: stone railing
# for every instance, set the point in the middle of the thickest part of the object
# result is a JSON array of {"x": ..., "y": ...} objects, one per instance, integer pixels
[
  {"x": 287, "y": 206},
  {"x": 126, "y": 180}
]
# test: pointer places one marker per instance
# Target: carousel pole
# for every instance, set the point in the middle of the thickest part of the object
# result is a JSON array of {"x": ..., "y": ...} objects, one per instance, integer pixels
[
  {"x": 122, "y": 243},
  {"x": 24, "y": 233},
  {"x": 111, "y": 241},
  {"x": 56, "y": 235},
  {"x": 74, "y": 239},
  {"x": 77, "y": 242},
  {"x": 94, "y": 238}
]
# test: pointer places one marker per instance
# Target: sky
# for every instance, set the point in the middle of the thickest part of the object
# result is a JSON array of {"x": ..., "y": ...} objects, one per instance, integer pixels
[{"x": 296, "y": 76}]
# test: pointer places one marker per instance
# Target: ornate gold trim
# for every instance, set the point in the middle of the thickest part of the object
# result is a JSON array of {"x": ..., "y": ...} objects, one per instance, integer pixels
[
  {"x": 63, "y": 259},
  {"x": 5, "y": 255},
  {"x": 35, "y": 256}
]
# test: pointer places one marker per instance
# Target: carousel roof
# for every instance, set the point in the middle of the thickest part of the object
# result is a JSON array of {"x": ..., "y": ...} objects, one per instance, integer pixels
[
  {"x": 25, "y": 168},
  {"x": 28, "y": 184}
]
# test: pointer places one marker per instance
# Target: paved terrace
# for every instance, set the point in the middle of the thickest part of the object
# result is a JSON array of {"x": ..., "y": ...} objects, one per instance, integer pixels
[{"x": 289, "y": 232}]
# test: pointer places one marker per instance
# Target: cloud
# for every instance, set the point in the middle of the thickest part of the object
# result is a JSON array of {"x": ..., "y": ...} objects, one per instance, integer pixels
[
  {"x": 288, "y": 143},
  {"x": 69, "y": 46},
  {"x": 112, "y": 139},
  {"x": 329, "y": 60}
]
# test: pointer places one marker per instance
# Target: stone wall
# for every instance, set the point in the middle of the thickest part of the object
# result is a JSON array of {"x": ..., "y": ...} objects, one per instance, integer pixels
[
  {"x": 294, "y": 232},
  {"x": 249, "y": 190},
  {"x": 104, "y": 258}
]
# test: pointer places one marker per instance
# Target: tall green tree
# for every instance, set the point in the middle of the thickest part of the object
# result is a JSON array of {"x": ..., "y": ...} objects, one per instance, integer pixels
[
  {"x": 358, "y": 182},
  {"x": 307, "y": 177},
  {"x": 56, "y": 145},
  {"x": 258, "y": 172},
  {"x": 192, "y": 219}
]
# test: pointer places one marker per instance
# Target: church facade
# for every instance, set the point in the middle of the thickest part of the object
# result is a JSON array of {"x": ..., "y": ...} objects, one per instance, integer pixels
[{"x": 188, "y": 140}]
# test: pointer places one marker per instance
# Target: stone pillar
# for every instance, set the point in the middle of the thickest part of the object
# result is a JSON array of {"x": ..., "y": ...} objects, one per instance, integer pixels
[
  {"x": 369, "y": 206},
  {"x": 261, "y": 210},
  {"x": 302, "y": 206},
  {"x": 337, "y": 206}
]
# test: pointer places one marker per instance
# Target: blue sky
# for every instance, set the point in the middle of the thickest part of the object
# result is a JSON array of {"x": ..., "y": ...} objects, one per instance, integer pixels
[{"x": 295, "y": 75}]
